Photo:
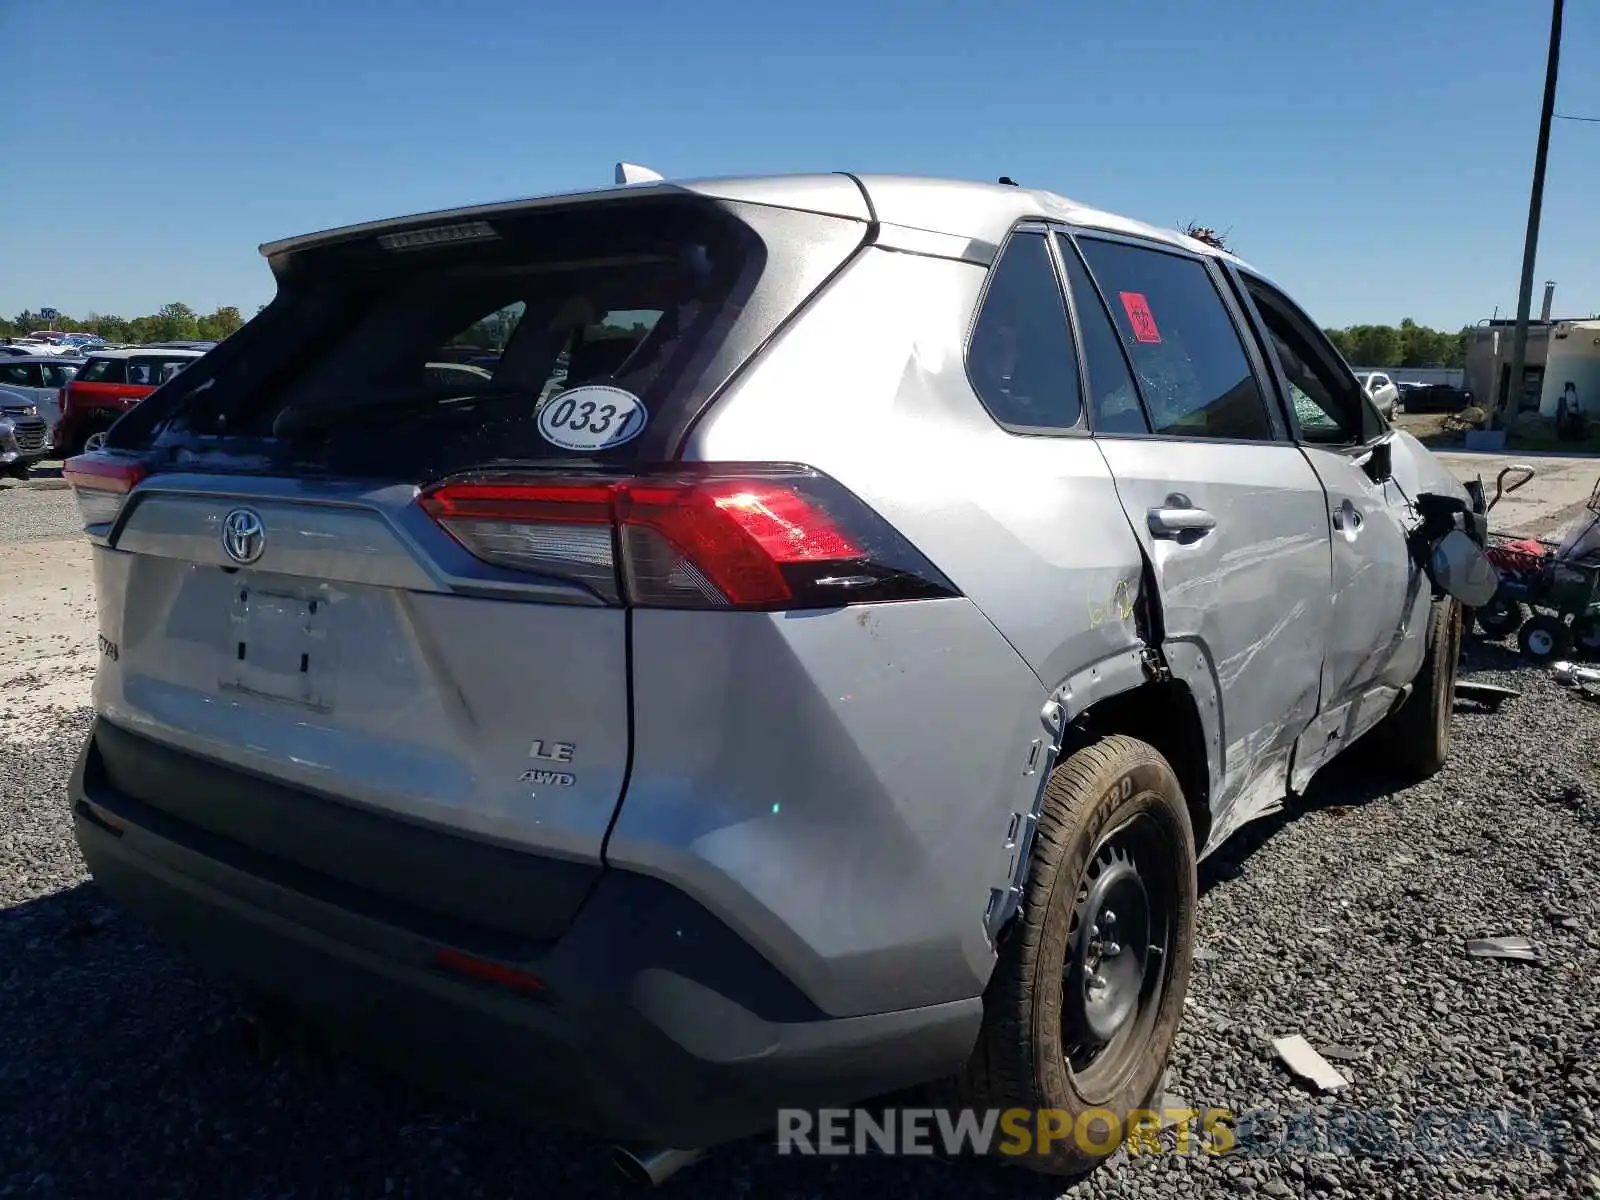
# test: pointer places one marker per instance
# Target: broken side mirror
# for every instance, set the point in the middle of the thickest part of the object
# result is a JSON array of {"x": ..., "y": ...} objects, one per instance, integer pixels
[
  {"x": 1459, "y": 567},
  {"x": 1378, "y": 463}
]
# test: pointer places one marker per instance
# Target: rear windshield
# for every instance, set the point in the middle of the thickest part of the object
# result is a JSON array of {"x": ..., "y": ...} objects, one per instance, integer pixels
[{"x": 428, "y": 360}]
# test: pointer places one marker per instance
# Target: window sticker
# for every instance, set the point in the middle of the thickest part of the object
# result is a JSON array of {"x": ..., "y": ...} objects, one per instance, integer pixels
[
  {"x": 1140, "y": 317},
  {"x": 592, "y": 418}
]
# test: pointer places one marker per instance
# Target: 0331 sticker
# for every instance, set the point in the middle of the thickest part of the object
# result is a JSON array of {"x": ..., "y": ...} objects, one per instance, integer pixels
[{"x": 592, "y": 418}]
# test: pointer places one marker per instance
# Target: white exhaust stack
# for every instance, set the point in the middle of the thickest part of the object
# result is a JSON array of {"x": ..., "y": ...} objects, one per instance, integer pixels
[{"x": 633, "y": 173}]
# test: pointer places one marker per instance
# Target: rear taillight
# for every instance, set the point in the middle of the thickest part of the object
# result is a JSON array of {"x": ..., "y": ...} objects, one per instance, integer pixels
[
  {"x": 101, "y": 482},
  {"x": 723, "y": 537}
]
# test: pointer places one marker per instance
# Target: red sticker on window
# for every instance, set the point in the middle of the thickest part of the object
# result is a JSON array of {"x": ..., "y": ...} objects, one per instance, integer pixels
[{"x": 1140, "y": 317}]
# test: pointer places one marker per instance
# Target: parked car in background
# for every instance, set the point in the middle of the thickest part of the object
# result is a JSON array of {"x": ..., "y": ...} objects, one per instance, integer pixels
[
  {"x": 702, "y": 737},
  {"x": 24, "y": 437},
  {"x": 108, "y": 384},
  {"x": 451, "y": 374},
  {"x": 181, "y": 344},
  {"x": 1433, "y": 397},
  {"x": 40, "y": 379},
  {"x": 1381, "y": 390}
]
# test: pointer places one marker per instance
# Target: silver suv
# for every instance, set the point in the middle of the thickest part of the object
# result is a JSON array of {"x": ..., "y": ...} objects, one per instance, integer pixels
[{"x": 811, "y": 662}]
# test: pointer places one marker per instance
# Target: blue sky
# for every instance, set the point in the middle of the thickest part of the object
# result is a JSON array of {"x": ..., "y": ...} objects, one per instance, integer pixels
[{"x": 1373, "y": 156}]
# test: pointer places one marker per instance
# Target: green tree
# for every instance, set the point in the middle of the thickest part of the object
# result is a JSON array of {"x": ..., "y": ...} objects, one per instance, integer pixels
[
  {"x": 1406, "y": 345},
  {"x": 1373, "y": 345},
  {"x": 113, "y": 329},
  {"x": 220, "y": 324},
  {"x": 174, "y": 322}
]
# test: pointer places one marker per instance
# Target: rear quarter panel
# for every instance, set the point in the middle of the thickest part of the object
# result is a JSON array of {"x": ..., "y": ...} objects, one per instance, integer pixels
[{"x": 848, "y": 787}]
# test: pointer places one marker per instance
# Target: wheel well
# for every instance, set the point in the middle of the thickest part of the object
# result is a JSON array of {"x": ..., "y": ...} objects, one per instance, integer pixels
[{"x": 1162, "y": 713}]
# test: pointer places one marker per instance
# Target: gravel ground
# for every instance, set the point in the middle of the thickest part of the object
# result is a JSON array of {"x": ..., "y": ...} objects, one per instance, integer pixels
[
  {"x": 40, "y": 508},
  {"x": 123, "y": 1073}
]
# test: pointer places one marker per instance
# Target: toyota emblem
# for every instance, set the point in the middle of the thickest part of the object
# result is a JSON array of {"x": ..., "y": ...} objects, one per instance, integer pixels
[{"x": 243, "y": 535}]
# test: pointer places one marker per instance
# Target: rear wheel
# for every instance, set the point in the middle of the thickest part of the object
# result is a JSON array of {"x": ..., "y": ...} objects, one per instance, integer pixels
[
  {"x": 1418, "y": 733},
  {"x": 1081, "y": 1010},
  {"x": 94, "y": 442},
  {"x": 1544, "y": 638},
  {"x": 1499, "y": 617}
]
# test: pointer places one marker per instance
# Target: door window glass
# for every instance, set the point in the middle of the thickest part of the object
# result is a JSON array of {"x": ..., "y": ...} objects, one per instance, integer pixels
[
  {"x": 1185, "y": 349},
  {"x": 103, "y": 370},
  {"x": 1327, "y": 401},
  {"x": 1113, "y": 399},
  {"x": 16, "y": 374}
]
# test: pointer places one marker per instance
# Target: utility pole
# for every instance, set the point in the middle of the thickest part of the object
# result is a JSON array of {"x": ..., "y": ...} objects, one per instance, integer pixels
[{"x": 1511, "y": 402}]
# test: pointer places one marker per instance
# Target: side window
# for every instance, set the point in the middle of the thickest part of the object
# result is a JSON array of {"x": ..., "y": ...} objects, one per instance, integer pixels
[
  {"x": 1113, "y": 399},
  {"x": 1021, "y": 360},
  {"x": 1186, "y": 352},
  {"x": 1328, "y": 402},
  {"x": 14, "y": 373},
  {"x": 102, "y": 370}
]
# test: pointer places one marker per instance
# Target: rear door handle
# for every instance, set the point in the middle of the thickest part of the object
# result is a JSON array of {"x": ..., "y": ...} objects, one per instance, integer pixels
[{"x": 1174, "y": 522}]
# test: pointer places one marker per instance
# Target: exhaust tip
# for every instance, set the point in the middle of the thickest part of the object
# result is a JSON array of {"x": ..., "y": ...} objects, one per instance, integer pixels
[{"x": 651, "y": 1168}]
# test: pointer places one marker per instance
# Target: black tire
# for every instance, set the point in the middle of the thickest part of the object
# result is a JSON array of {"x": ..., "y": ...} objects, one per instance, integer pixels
[
  {"x": 1113, "y": 797},
  {"x": 1500, "y": 617},
  {"x": 1544, "y": 638},
  {"x": 1417, "y": 734},
  {"x": 1586, "y": 636}
]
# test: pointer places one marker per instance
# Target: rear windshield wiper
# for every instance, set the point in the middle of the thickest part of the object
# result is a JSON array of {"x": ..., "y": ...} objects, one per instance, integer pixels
[{"x": 327, "y": 414}]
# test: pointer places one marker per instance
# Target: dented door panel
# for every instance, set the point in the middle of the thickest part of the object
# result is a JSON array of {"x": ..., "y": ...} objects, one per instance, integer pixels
[{"x": 1249, "y": 595}]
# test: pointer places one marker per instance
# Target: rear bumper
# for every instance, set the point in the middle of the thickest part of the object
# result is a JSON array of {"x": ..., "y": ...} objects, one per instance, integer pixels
[{"x": 655, "y": 1023}]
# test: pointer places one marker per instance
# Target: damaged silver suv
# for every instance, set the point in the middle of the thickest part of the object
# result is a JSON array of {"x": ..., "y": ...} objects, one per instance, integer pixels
[{"x": 810, "y": 661}]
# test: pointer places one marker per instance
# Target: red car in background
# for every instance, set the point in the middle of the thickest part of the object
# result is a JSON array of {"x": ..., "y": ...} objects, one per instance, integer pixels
[{"x": 108, "y": 385}]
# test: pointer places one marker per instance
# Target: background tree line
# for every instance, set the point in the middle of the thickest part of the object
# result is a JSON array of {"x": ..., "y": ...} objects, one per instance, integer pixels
[
  {"x": 170, "y": 323},
  {"x": 1405, "y": 345}
]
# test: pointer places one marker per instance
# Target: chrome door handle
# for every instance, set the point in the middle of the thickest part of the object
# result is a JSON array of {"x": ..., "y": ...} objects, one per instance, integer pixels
[
  {"x": 1347, "y": 519},
  {"x": 1176, "y": 522}
]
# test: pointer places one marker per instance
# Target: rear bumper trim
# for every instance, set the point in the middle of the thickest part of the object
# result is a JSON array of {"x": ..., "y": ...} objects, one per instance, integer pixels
[{"x": 634, "y": 1037}]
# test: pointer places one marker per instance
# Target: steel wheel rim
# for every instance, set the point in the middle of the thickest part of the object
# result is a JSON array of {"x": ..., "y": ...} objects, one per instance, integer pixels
[
  {"x": 1541, "y": 641},
  {"x": 1104, "y": 1024}
]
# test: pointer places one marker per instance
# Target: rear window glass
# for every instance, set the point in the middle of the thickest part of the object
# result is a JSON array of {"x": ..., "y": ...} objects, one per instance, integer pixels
[
  {"x": 1021, "y": 359},
  {"x": 103, "y": 370},
  {"x": 442, "y": 358}
]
